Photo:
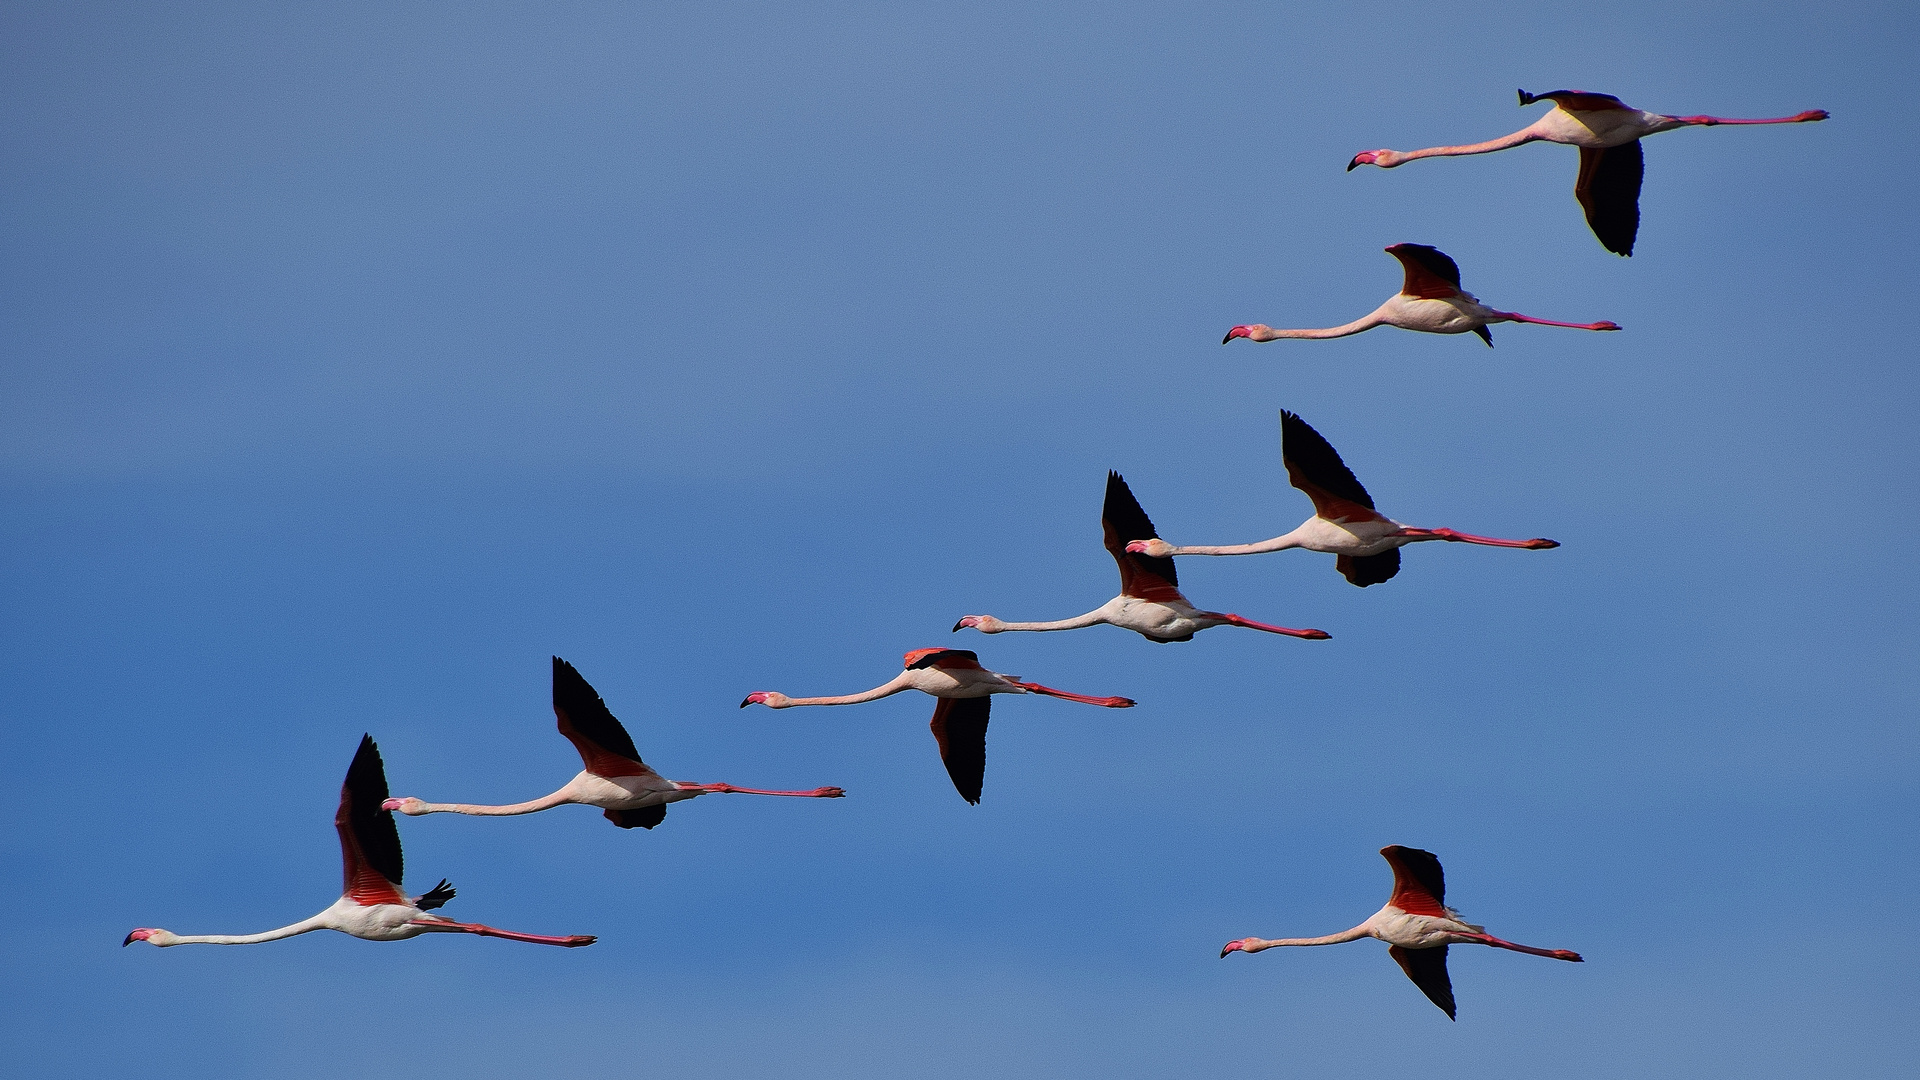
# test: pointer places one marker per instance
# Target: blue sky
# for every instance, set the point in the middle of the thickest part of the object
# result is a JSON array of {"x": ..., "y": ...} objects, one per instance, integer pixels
[{"x": 357, "y": 360}]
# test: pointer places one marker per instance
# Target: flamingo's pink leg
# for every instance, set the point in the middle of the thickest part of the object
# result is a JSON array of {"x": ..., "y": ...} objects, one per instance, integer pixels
[
  {"x": 1538, "y": 543},
  {"x": 719, "y": 789},
  {"x": 1517, "y": 317},
  {"x": 572, "y": 941},
  {"x": 1235, "y": 620},
  {"x": 1797, "y": 118},
  {"x": 1555, "y": 954},
  {"x": 1109, "y": 702}
]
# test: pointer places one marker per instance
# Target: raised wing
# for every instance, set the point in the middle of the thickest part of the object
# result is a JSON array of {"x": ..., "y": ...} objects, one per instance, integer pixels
[
  {"x": 1365, "y": 570},
  {"x": 1419, "y": 886},
  {"x": 1314, "y": 466},
  {"x": 1431, "y": 275},
  {"x": 1428, "y": 970},
  {"x": 960, "y": 727},
  {"x": 1609, "y": 191},
  {"x": 942, "y": 658},
  {"x": 604, "y": 745},
  {"x": 370, "y": 858},
  {"x": 1122, "y": 521},
  {"x": 1576, "y": 100}
]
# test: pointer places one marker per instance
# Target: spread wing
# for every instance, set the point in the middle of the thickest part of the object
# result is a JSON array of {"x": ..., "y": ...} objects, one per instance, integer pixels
[
  {"x": 604, "y": 745},
  {"x": 960, "y": 727},
  {"x": 1123, "y": 522},
  {"x": 926, "y": 658},
  {"x": 1314, "y": 466},
  {"x": 1609, "y": 191},
  {"x": 1365, "y": 570},
  {"x": 369, "y": 843},
  {"x": 1428, "y": 970},
  {"x": 1419, "y": 886},
  {"x": 1431, "y": 275}
]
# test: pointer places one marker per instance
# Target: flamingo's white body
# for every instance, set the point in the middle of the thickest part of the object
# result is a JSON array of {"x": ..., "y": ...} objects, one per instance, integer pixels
[
  {"x": 373, "y": 906},
  {"x": 1344, "y": 522},
  {"x": 1416, "y": 923},
  {"x": 614, "y": 779},
  {"x": 1608, "y": 132},
  {"x": 1430, "y": 300},
  {"x": 1150, "y": 602},
  {"x": 960, "y": 720}
]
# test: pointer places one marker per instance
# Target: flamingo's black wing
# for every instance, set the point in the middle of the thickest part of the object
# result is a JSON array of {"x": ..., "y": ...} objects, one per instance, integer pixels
[
  {"x": 1365, "y": 570},
  {"x": 1609, "y": 191},
  {"x": 1431, "y": 274},
  {"x": 1428, "y": 970},
  {"x": 1122, "y": 521},
  {"x": 605, "y": 747},
  {"x": 369, "y": 842},
  {"x": 960, "y": 727},
  {"x": 644, "y": 818}
]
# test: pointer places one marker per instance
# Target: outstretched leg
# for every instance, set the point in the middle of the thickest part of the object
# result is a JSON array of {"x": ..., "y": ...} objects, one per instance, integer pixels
[
  {"x": 1235, "y": 620},
  {"x": 1514, "y": 316},
  {"x": 1797, "y": 118},
  {"x": 572, "y": 941},
  {"x": 1109, "y": 702},
  {"x": 1537, "y": 543},
  {"x": 729, "y": 789},
  {"x": 1555, "y": 954}
]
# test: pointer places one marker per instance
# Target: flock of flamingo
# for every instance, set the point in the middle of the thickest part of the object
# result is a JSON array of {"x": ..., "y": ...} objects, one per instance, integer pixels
[{"x": 1416, "y": 922}]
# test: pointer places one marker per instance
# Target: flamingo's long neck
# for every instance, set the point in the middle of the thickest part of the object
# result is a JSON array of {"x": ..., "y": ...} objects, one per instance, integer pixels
[
  {"x": 1091, "y": 618},
  {"x": 1368, "y": 322},
  {"x": 1278, "y": 543},
  {"x": 317, "y": 922},
  {"x": 544, "y": 802},
  {"x": 1524, "y": 135},
  {"x": 1354, "y": 934},
  {"x": 893, "y": 686}
]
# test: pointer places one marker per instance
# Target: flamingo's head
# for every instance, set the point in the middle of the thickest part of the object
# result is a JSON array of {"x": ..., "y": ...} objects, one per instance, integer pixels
[
  {"x": 772, "y": 699},
  {"x": 151, "y": 936},
  {"x": 1386, "y": 159},
  {"x": 409, "y": 806},
  {"x": 1251, "y": 331},
  {"x": 986, "y": 624},
  {"x": 1238, "y": 945},
  {"x": 1154, "y": 548}
]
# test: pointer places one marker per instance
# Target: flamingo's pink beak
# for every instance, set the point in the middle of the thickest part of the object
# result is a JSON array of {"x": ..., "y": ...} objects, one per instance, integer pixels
[
  {"x": 1238, "y": 331},
  {"x": 1361, "y": 159},
  {"x": 971, "y": 620},
  {"x": 137, "y": 935},
  {"x": 1232, "y": 946},
  {"x": 758, "y": 697},
  {"x": 391, "y": 804},
  {"x": 1139, "y": 547}
]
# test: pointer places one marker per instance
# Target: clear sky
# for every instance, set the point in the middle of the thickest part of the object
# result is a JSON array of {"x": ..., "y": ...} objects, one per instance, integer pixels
[{"x": 356, "y": 358}]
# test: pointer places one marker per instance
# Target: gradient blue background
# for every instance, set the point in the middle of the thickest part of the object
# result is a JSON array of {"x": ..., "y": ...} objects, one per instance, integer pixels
[{"x": 355, "y": 360}]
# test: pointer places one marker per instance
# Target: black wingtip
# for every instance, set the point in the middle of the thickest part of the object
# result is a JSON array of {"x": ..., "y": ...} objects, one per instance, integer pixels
[
  {"x": 1486, "y": 335},
  {"x": 1526, "y": 98}
]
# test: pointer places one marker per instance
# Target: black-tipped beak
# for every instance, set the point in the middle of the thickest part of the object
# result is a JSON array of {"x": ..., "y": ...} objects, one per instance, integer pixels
[
  {"x": 127, "y": 942},
  {"x": 1226, "y": 339},
  {"x": 746, "y": 701},
  {"x": 1354, "y": 164},
  {"x": 957, "y": 626}
]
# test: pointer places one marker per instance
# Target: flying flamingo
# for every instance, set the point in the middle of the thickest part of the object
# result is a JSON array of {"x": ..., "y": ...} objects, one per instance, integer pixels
[
  {"x": 1608, "y": 133},
  {"x": 1416, "y": 924},
  {"x": 1431, "y": 301},
  {"x": 960, "y": 720},
  {"x": 1150, "y": 602},
  {"x": 614, "y": 779},
  {"x": 1344, "y": 522},
  {"x": 373, "y": 907}
]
